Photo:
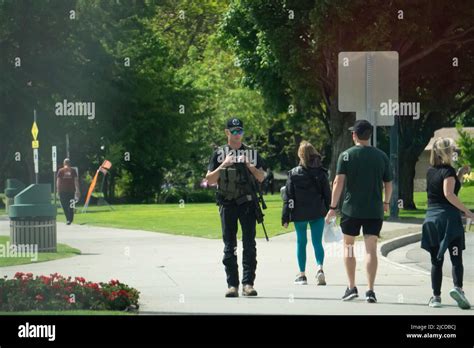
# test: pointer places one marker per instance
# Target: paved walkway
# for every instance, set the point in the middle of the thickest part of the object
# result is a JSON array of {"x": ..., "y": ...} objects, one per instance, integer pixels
[
  {"x": 177, "y": 274},
  {"x": 410, "y": 255}
]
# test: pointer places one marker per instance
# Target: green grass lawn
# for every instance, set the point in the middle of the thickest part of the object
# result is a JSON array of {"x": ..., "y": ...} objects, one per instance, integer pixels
[
  {"x": 466, "y": 195},
  {"x": 202, "y": 220},
  {"x": 198, "y": 219},
  {"x": 74, "y": 312},
  {"x": 63, "y": 251}
]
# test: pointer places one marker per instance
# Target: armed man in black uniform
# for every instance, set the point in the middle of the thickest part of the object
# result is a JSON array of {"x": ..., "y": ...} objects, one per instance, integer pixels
[{"x": 233, "y": 167}]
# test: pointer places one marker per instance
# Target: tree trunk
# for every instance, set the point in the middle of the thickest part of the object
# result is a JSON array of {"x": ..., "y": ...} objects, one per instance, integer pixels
[
  {"x": 414, "y": 137},
  {"x": 406, "y": 173},
  {"x": 112, "y": 188}
]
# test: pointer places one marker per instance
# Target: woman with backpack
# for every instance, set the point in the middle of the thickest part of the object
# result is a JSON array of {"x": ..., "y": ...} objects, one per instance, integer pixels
[{"x": 306, "y": 199}]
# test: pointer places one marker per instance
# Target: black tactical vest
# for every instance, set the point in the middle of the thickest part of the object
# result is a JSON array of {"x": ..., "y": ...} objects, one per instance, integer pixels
[{"x": 233, "y": 183}]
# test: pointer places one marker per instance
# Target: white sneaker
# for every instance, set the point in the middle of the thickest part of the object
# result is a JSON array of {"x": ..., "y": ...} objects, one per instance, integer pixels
[
  {"x": 301, "y": 280},
  {"x": 321, "y": 279},
  {"x": 458, "y": 296},
  {"x": 435, "y": 302}
]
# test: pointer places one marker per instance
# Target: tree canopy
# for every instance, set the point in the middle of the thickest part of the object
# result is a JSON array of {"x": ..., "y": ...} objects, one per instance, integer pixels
[
  {"x": 289, "y": 50},
  {"x": 165, "y": 75}
]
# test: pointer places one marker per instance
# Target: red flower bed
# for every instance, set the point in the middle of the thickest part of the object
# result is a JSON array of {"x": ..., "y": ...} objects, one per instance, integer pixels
[{"x": 24, "y": 292}]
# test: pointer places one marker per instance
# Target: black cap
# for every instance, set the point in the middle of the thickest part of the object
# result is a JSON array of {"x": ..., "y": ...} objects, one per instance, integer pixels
[
  {"x": 234, "y": 123},
  {"x": 361, "y": 126}
]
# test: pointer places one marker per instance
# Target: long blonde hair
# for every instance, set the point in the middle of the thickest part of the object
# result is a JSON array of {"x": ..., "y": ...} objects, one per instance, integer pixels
[
  {"x": 442, "y": 152},
  {"x": 309, "y": 156}
]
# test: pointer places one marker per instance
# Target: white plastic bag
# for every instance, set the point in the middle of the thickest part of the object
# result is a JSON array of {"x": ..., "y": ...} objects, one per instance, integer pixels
[{"x": 332, "y": 232}]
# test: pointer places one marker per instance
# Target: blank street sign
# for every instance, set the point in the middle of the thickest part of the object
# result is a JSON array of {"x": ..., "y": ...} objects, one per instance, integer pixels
[
  {"x": 352, "y": 78},
  {"x": 385, "y": 84},
  {"x": 365, "y": 80}
]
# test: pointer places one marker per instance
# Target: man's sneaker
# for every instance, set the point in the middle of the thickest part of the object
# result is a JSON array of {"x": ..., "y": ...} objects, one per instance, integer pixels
[
  {"x": 370, "y": 296},
  {"x": 435, "y": 302},
  {"x": 68, "y": 222},
  {"x": 458, "y": 296},
  {"x": 232, "y": 292},
  {"x": 350, "y": 294},
  {"x": 301, "y": 280},
  {"x": 248, "y": 290},
  {"x": 320, "y": 277}
]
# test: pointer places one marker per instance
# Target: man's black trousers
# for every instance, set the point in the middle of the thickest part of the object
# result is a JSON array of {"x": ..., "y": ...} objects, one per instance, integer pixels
[
  {"x": 66, "y": 198},
  {"x": 230, "y": 213}
]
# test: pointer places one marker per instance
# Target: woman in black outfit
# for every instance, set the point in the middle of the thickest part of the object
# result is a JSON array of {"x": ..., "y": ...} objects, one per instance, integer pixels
[
  {"x": 306, "y": 202},
  {"x": 442, "y": 228}
]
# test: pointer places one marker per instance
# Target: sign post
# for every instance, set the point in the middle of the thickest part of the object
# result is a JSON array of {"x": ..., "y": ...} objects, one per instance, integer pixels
[
  {"x": 67, "y": 146},
  {"x": 55, "y": 168},
  {"x": 394, "y": 209},
  {"x": 35, "y": 145},
  {"x": 365, "y": 80}
]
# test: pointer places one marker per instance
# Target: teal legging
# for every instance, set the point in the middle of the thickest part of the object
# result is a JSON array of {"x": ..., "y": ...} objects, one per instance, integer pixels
[{"x": 317, "y": 227}]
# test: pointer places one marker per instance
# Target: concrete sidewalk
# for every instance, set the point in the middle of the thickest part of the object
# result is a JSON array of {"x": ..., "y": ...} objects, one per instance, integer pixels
[
  {"x": 410, "y": 255},
  {"x": 177, "y": 274}
]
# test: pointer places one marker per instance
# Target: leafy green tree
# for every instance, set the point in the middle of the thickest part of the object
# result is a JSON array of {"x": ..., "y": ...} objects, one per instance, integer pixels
[
  {"x": 98, "y": 51},
  {"x": 466, "y": 147},
  {"x": 41, "y": 63},
  {"x": 289, "y": 51}
]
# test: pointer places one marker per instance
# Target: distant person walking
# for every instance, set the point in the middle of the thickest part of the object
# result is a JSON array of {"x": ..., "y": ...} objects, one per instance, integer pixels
[
  {"x": 442, "y": 228},
  {"x": 268, "y": 182},
  {"x": 306, "y": 201},
  {"x": 67, "y": 184},
  {"x": 363, "y": 170}
]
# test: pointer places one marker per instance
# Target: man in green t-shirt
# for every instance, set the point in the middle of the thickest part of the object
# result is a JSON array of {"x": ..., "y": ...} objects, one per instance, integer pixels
[{"x": 362, "y": 171}]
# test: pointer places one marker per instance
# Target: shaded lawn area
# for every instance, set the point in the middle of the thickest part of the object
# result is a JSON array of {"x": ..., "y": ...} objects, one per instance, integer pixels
[{"x": 63, "y": 251}]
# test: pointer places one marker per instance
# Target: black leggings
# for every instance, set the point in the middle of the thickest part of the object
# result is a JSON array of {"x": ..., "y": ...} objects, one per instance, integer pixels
[{"x": 455, "y": 253}]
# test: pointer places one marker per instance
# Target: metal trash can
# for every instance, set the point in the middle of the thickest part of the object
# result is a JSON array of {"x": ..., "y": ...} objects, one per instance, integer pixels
[
  {"x": 33, "y": 218},
  {"x": 12, "y": 188}
]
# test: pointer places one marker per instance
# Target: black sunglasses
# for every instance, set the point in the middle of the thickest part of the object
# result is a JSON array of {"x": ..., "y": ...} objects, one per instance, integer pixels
[{"x": 236, "y": 131}]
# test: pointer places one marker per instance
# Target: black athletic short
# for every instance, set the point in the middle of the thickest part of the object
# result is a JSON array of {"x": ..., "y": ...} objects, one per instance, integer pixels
[{"x": 351, "y": 226}]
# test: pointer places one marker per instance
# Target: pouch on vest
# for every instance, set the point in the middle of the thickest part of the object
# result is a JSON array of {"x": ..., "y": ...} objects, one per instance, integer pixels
[
  {"x": 227, "y": 183},
  {"x": 232, "y": 184}
]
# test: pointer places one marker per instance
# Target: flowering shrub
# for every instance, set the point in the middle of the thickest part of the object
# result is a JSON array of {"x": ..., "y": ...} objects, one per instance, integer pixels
[
  {"x": 469, "y": 179},
  {"x": 23, "y": 293}
]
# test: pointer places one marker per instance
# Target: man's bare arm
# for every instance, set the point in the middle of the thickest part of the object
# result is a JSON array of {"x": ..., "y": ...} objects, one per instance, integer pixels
[
  {"x": 388, "y": 188},
  {"x": 259, "y": 174},
  {"x": 337, "y": 188},
  {"x": 213, "y": 176}
]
